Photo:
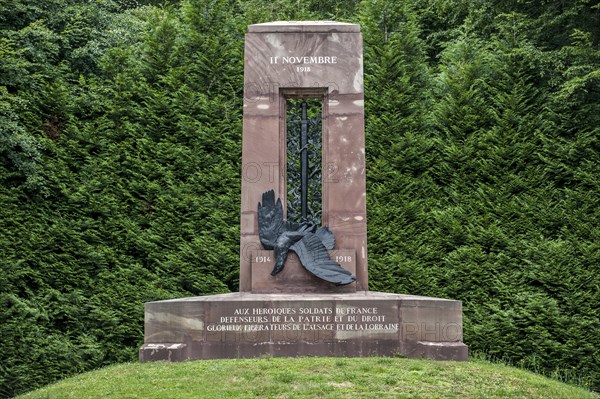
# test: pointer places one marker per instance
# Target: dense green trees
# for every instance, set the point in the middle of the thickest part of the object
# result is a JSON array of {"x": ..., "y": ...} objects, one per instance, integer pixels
[{"x": 120, "y": 130}]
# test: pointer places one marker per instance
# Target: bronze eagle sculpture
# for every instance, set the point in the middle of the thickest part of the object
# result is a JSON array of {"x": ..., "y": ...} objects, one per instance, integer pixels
[{"x": 307, "y": 240}]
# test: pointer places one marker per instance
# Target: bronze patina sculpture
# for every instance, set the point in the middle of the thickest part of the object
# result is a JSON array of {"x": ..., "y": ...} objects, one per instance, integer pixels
[{"x": 307, "y": 240}]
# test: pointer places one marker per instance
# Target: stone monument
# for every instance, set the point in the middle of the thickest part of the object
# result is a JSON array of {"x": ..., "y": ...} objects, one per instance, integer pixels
[{"x": 303, "y": 164}]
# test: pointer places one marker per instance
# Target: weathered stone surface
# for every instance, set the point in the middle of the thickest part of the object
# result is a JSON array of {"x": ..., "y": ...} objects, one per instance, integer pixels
[
  {"x": 294, "y": 278},
  {"x": 304, "y": 26},
  {"x": 350, "y": 324},
  {"x": 170, "y": 352}
]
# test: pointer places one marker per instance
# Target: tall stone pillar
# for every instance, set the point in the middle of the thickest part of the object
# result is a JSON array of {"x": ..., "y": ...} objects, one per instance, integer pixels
[{"x": 305, "y": 59}]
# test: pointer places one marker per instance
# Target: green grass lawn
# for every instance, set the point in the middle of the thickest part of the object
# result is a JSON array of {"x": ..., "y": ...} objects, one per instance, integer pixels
[{"x": 337, "y": 378}]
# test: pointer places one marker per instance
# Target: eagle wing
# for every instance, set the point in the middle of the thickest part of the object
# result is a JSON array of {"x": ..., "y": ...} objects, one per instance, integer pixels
[
  {"x": 326, "y": 236},
  {"x": 314, "y": 257},
  {"x": 270, "y": 219}
]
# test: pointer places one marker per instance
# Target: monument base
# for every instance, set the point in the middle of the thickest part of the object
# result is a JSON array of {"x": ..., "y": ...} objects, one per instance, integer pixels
[{"x": 245, "y": 325}]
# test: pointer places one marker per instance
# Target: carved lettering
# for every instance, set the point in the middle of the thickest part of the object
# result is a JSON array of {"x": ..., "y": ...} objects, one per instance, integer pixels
[
  {"x": 316, "y": 319},
  {"x": 313, "y": 59}
]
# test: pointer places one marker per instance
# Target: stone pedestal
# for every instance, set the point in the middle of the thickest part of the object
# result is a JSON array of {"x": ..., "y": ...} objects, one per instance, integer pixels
[
  {"x": 294, "y": 278},
  {"x": 358, "y": 324}
]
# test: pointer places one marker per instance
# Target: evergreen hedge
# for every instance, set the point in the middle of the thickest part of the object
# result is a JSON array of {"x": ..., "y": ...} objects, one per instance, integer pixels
[{"x": 120, "y": 133}]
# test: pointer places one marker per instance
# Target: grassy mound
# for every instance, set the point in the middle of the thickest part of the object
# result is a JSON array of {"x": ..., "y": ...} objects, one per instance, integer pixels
[{"x": 310, "y": 378}]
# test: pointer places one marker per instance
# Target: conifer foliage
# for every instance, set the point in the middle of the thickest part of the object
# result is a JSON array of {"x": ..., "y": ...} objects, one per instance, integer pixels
[{"x": 120, "y": 141}]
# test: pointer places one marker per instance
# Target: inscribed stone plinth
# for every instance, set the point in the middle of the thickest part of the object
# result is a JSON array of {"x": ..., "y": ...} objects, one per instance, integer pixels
[
  {"x": 251, "y": 325},
  {"x": 294, "y": 278}
]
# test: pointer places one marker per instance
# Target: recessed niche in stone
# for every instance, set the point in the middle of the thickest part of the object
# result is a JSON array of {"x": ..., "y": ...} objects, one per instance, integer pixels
[{"x": 304, "y": 138}]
